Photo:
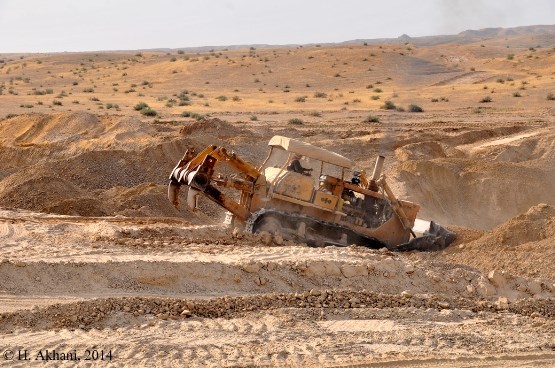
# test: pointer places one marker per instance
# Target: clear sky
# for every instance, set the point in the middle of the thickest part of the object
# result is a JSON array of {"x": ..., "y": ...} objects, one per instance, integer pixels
[{"x": 87, "y": 25}]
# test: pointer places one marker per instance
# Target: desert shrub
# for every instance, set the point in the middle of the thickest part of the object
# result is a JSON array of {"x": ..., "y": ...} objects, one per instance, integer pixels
[
  {"x": 510, "y": 56},
  {"x": 197, "y": 116},
  {"x": 378, "y": 90},
  {"x": 500, "y": 80},
  {"x": 57, "y": 103},
  {"x": 295, "y": 121},
  {"x": 147, "y": 111},
  {"x": 173, "y": 59},
  {"x": 88, "y": 90},
  {"x": 140, "y": 106},
  {"x": 253, "y": 118},
  {"x": 315, "y": 114},
  {"x": 550, "y": 97},
  {"x": 221, "y": 98},
  {"x": 434, "y": 99},
  {"x": 388, "y": 105},
  {"x": 517, "y": 94},
  {"x": 47, "y": 91},
  {"x": 300, "y": 99},
  {"x": 370, "y": 86},
  {"x": 414, "y": 108},
  {"x": 375, "y": 97},
  {"x": 95, "y": 99},
  {"x": 236, "y": 98},
  {"x": 486, "y": 99},
  {"x": 320, "y": 95},
  {"x": 372, "y": 119},
  {"x": 180, "y": 52}
]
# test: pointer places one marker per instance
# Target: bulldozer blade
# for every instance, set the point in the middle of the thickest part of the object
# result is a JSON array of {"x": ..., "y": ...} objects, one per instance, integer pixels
[{"x": 435, "y": 238}]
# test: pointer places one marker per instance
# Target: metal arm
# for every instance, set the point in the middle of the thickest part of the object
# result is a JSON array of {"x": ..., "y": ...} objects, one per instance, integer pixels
[{"x": 198, "y": 174}]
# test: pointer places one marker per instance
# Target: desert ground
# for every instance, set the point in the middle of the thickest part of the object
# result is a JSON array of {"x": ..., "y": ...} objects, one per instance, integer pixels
[{"x": 95, "y": 258}]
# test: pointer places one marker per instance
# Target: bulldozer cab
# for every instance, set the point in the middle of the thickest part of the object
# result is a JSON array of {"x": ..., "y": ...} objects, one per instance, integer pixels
[{"x": 320, "y": 187}]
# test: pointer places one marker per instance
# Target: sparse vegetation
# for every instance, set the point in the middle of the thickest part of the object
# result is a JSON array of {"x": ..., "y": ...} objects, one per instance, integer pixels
[
  {"x": 147, "y": 111},
  {"x": 47, "y": 91},
  {"x": 300, "y": 99},
  {"x": 320, "y": 95},
  {"x": 221, "y": 98},
  {"x": 194, "y": 115},
  {"x": 415, "y": 108},
  {"x": 88, "y": 90},
  {"x": 295, "y": 121},
  {"x": 388, "y": 105},
  {"x": 517, "y": 94},
  {"x": 510, "y": 56},
  {"x": 486, "y": 99},
  {"x": 372, "y": 119},
  {"x": 140, "y": 106},
  {"x": 375, "y": 97},
  {"x": 57, "y": 102},
  {"x": 550, "y": 97},
  {"x": 253, "y": 118}
]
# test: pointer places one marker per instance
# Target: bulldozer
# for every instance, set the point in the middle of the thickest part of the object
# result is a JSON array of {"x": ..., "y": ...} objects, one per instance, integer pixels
[{"x": 326, "y": 202}]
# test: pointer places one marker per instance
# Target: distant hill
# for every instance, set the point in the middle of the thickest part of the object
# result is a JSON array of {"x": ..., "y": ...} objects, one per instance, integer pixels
[{"x": 545, "y": 32}]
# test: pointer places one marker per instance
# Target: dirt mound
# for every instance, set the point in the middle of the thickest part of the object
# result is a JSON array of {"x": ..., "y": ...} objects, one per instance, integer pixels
[
  {"x": 43, "y": 193},
  {"x": 522, "y": 246},
  {"x": 143, "y": 200},
  {"x": 219, "y": 128},
  {"x": 473, "y": 193},
  {"x": 426, "y": 151},
  {"x": 536, "y": 224}
]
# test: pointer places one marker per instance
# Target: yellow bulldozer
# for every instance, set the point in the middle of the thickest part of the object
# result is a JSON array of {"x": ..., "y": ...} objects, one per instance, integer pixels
[{"x": 306, "y": 194}]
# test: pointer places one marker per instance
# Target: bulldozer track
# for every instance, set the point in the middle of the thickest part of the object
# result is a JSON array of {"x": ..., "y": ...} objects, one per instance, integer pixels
[{"x": 326, "y": 227}]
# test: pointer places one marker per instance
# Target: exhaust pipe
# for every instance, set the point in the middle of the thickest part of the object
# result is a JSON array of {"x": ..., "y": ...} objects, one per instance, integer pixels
[
  {"x": 376, "y": 174},
  {"x": 378, "y": 168}
]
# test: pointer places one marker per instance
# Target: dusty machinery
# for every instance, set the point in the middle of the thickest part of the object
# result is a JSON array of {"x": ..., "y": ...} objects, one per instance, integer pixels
[{"x": 325, "y": 208}]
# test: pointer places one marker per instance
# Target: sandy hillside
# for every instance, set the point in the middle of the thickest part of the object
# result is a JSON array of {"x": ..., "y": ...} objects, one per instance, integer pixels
[{"x": 93, "y": 256}]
